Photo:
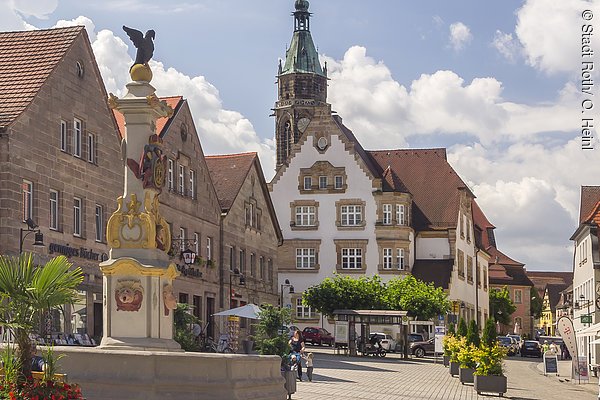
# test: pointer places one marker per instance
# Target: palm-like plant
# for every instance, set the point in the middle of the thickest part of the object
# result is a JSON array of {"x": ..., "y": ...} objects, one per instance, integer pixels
[{"x": 26, "y": 290}]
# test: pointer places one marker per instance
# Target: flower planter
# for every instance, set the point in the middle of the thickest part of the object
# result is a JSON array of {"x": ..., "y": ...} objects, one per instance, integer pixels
[
  {"x": 466, "y": 375},
  {"x": 454, "y": 367},
  {"x": 446, "y": 361},
  {"x": 490, "y": 384}
]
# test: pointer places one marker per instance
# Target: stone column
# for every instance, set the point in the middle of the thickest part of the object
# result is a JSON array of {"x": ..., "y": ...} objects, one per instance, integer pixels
[{"x": 138, "y": 296}]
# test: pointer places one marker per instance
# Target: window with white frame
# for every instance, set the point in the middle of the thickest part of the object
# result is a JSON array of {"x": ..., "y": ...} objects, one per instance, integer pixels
[
  {"x": 351, "y": 258},
  {"x": 181, "y": 180},
  {"x": 351, "y": 215},
  {"x": 322, "y": 182},
  {"x": 518, "y": 296},
  {"x": 387, "y": 214},
  {"x": 339, "y": 181},
  {"x": 306, "y": 215},
  {"x": 197, "y": 244},
  {"x": 170, "y": 175},
  {"x": 63, "y": 135},
  {"x": 77, "y": 137},
  {"x": 302, "y": 311},
  {"x": 307, "y": 183},
  {"x": 53, "y": 210},
  {"x": 91, "y": 143},
  {"x": 208, "y": 248},
  {"x": 306, "y": 258},
  {"x": 387, "y": 258},
  {"x": 181, "y": 239},
  {"x": 400, "y": 214},
  {"x": 77, "y": 216},
  {"x": 400, "y": 259},
  {"x": 27, "y": 194},
  {"x": 192, "y": 184},
  {"x": 99, "y": 223}
]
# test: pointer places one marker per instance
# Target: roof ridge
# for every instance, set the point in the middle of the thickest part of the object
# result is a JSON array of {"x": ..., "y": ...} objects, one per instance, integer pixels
[{"x": 231, "y": 155}]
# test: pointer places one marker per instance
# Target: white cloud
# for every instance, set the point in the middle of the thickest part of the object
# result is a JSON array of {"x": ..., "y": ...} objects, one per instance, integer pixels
[
  {"x": 460, "y": 35},
  {"x": 36, "y": 8},
  {"x": 90, "y": 27},
  {"x": 550, "y": 31},
  {"x": 506, "y": 45}
]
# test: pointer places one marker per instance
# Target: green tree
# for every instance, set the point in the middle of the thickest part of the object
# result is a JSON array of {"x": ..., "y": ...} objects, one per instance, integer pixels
[
  {"x": 462, "y": 328},
  {"x": 27, "y": 290},
  {"x": 488, "y": 337},
  {"x": 473, "y": 333},
  {"x": 345, "y": 292},
  {"x": 537, "y": 303},
  {"x": 269, "y": 337},
  {"x": 501, "y": 306},
  {"x": 183, "y": 321},
  {"x": 422, "y": 300},
  {"x": 451, "y": 329}
]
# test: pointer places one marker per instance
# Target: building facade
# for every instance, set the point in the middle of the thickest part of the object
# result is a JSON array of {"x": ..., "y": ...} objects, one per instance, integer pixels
[
  {"x": 586, "y": 275},
  {"x": 354, "y": 212},
  {"x": 59, "y": 159}
]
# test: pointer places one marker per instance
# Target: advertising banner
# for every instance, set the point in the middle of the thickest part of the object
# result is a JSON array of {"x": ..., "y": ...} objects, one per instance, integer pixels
[{"x": 440, "y": 332}]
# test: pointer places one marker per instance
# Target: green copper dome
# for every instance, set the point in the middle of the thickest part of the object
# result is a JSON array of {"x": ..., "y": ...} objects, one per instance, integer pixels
[{"x": 302, "y": 55}]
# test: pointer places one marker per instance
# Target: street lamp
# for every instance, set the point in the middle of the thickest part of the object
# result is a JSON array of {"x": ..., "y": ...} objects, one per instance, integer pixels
[
  {"x": 242, "y": 282},
  {"x": 31, "y": 228},
  {"x": 290, "y": 291}
]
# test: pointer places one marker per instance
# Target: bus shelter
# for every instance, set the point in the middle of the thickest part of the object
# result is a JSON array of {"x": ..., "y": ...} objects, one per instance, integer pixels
[{"x": 347, "y": 322}]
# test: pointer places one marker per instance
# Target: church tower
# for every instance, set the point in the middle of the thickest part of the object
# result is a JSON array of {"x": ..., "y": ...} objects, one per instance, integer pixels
[{"x": 302, "y": 85}]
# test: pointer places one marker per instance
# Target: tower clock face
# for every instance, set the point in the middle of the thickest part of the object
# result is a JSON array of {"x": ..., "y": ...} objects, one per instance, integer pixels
[{"x": 303, "y": 124}]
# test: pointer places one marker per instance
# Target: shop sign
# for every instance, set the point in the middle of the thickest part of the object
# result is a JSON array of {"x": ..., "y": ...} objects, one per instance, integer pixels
[
  {"x": 80, "y": 252},
  {"x": 189, "y": 271}
]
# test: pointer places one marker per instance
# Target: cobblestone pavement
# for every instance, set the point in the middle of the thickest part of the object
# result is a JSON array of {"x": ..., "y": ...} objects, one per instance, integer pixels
[{"x": 353, "y": 378}]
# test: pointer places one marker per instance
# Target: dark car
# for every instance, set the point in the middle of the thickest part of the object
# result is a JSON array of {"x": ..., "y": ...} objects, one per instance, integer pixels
[
  {"x": 317, "y": 336},
  {"x": 509, "y": 344},
  {"x": 422, "y": 348},
  {"x": 531, "y": 348},
  {"x": 415, "y": 337}
]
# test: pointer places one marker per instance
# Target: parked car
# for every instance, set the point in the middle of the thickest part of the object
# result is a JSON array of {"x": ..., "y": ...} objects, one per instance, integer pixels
[
  {"x": 531, "y": 348},
  {"x": 318, "y": 336},
  {"x": 518, "y": 339},
  {"x": 422, "y": 348},
  {"x": 387, "y": 341},
  {"x": 509, "y": 344},
  {"x": 288, "y": 329},
  {"x": 415, "y": 337}
]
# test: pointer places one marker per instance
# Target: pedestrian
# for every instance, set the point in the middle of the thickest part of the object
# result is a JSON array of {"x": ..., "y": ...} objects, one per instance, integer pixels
[
  {"x": 553, "y": 349},
  {"x": 297, "y": 345},
  {"x": 545, "y": 347},
  {"x": 309, "y": 366}
]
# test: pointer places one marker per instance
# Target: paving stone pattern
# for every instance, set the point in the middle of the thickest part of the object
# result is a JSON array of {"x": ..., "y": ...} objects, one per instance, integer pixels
[{"x": 340, "y": 377}]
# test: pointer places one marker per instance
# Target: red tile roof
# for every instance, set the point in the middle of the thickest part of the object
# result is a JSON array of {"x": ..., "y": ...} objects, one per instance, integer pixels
[
  {"x": 427, "y": 175},
  {"x": 590, "y": 197},
  {"x": 161, "y": 123},
  {"x": 228, "y": 173},
  {"x": 26, "y": 60},
  {"x": 499, "y": 257},
  {"x": 479, "y": 217},
  {"x": 543, "y": 278}
]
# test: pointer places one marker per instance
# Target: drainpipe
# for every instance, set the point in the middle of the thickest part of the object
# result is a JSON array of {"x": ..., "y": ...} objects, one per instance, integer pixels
[
  {"x": 221, "y": 263},
  {"x": 477, "y": 289}
]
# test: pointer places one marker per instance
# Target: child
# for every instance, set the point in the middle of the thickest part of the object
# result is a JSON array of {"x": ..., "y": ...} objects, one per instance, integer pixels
[{"x": 309, "y": 366}]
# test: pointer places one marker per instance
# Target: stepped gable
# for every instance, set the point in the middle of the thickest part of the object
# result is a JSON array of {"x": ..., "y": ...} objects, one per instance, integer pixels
[{"x": 27, "y": 59}]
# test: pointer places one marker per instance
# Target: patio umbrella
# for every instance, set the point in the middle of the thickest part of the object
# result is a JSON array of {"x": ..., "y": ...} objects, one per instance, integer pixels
[{"x": 247, "y": 311}]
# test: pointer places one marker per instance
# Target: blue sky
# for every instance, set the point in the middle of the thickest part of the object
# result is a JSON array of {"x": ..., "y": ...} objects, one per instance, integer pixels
[{"x": 495, "y": 82}]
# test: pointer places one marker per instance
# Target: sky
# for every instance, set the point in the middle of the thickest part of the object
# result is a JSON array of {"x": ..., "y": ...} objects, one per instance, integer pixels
[{"x": 498, "y": 83}]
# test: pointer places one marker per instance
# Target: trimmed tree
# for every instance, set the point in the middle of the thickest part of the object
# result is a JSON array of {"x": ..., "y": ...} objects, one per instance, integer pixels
[
  {"x": 451, "y": 329},
  {"x": 183, "y": 320},
  {"x": 269, "y": 337},
  {"x": 462, "y": 328},
  {"x": 473, "y": 334},
  {"x": 537, "y": 303},
  {"x": 420, "y": 299},
  {"x": 488, "y": 337}
]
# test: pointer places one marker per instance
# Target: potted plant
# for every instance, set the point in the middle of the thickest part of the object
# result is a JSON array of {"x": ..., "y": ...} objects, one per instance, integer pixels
[
  {"x": 488, "y": 376},
  {"x": 451, "y": 345},
  {"x": 466, "y": 362}
]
